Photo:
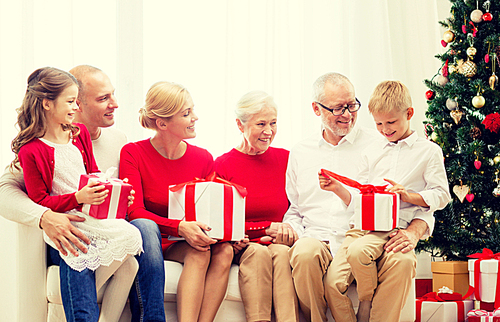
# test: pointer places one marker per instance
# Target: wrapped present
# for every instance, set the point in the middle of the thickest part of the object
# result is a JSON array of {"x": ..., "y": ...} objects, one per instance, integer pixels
[
  {"x": 453, "y": 274},
  {"x": 483, "y": 316},
  {"x": 213, "y": 201},
  {"x": 374, "y": 208},
  {"x": 422, "y": 286},
  {"x": 442, "y": 306},
  {"x": 116, "y": 203},
  {"x": 484, "y": 277}
]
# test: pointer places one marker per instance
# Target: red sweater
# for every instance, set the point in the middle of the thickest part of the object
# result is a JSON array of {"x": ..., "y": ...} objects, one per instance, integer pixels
[
  {"x": 150, "y": 174},
  {"x": 264, "y": 177},
  {"x": 37, "y": 161}
]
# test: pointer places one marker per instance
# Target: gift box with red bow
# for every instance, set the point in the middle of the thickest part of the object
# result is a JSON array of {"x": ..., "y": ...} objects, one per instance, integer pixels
[
  {"x": 374, "y": 208},
  {"x": 215, "y": 202},
  {"x": 484, "y": 277},
  {"x": 484, "y": 316},
  {"x": 116, "y": 203},
  {"x": 443, "y": 306}
]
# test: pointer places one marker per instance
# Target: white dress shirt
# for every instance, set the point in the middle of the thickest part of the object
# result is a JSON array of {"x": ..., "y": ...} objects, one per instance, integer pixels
[
  {"x": 314, "y": 212},
  {"x": 416, "y": 164}
]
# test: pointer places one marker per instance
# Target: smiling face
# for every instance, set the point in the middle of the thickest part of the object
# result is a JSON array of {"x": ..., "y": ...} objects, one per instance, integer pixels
[
  {"x": 258, "y": 131},
  {"x": 97, "y": 102},
  {"x": 62, "y": 110},
  {"x": 395, "y": 124},
  {"x": 336, "y": 95},
  {"x": 181, "y": 124}
]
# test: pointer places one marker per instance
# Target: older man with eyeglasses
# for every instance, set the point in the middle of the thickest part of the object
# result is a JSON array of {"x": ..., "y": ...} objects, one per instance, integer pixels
[{"x": 321, "y": 219}]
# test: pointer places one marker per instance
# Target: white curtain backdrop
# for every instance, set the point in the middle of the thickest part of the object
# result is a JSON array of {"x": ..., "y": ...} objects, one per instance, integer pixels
[{"x": 218, "y": 49}]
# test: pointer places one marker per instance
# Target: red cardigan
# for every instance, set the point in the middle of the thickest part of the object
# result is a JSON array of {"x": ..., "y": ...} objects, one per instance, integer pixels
[
  {"x": 37, "y": 160},
  {"x": 150, "y": 174},
  {"x": 264, "y": 177}
]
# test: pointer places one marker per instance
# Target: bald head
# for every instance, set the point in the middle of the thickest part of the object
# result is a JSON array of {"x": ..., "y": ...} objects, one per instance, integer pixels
[{"x": 82, "y": 73}]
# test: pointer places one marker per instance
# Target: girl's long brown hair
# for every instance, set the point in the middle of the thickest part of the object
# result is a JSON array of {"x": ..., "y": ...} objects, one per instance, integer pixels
[{"x": 44, "y": 83}]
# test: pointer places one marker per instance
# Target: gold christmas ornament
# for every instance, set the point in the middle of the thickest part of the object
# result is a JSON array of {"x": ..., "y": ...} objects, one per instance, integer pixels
[
  {"x": 471, "y": 51},
  {"x": 478, "y": 101},
  {"x": 496, "y": 159},
  {"x": 461, "y": 191},
  {"x": 476, "y": 16},
  {"x": 451, "y": 104},
  {"x": 469, "y": 69},
  {"x": 448, "y": 36},
  {"x": 441, "y": 80},
  {"x": 434, "y": 136},
  {"x": 493, "y": 81},
  {"x": 456, "y": 115},
  {"x": 452, "y": 68}
]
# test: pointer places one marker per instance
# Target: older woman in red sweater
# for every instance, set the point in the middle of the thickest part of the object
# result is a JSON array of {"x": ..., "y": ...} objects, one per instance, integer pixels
[{"x": 265, "y": 274}]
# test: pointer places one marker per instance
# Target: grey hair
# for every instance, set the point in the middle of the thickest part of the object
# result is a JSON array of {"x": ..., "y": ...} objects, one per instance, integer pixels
[
  {"x": 252, "y": 103},
  {"x": 332, "y": 78}
]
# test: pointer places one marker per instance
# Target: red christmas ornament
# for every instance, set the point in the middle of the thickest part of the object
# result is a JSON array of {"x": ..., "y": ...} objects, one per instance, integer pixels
[
  {"x": 444, "y": 43},
  {"x": 492, "y": 122},
  {"x": 469, "y": 197},
  {"x": 477, "y": 164},
  {"x": 429, "y": 94},
  {"x": 487, "y": 16},
  {"x": 444, "y": 70},
  {"x": 464, "y": 29},
  {"x": 486, "y": 58}
]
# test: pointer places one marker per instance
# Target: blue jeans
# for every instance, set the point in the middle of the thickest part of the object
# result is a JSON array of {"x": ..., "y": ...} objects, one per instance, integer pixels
[
  {"x": 78, "y": 291},
  {"x": 146, "y": 296}
]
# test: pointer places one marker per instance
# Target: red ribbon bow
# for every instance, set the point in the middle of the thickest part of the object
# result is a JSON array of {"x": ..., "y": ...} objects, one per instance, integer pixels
[
  {"x": 364, "y": 188},
  {"x": 486, "y": 254},
  {"x": 211, "y": 178}
]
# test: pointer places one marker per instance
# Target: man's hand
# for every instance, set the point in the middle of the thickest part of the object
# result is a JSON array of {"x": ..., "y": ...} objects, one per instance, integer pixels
[
  {"x": 286, "y": 235},
  {"x": 59, "y": 229},
  {"x": 194, "y": 233},
  {"x": 405, "y": 240}
]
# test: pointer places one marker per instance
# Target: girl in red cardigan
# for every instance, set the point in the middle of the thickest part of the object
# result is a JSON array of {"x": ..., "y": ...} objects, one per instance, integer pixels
[{"x": 53, "y": 153}]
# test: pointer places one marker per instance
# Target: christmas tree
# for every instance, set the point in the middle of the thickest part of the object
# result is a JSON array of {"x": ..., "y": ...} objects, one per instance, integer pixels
[{"x": 464, "y": 119}]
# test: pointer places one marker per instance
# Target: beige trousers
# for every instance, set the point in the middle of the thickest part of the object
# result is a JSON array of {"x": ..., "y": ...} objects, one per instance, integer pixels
[
  {"x": 310, "y": 259},
  {"x": 265, "y": 277},
  {"x": 383, "y": 278}
]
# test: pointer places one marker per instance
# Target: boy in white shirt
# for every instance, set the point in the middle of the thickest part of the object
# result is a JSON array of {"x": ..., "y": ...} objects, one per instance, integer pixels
[{"x": 415, "y": 169}]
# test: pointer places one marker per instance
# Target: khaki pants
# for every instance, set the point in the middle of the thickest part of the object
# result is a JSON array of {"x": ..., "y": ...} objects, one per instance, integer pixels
[
  {"x": 310, "y": 259},
  {"x": 383, "y": 278},
  {"x": 265, "y": 277}
]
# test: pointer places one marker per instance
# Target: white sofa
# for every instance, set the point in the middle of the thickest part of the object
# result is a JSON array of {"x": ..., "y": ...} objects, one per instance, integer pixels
[{"x": 37, "y": 296}]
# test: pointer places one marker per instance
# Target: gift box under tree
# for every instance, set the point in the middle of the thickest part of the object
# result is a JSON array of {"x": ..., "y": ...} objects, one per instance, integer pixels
[
  {"x": 213, "y": 201},
  {"x": 116, "y": 203},
  {"x": 443, "y": 306},
  {"x": 484, "y": 277},
  {"x": 374, "y": 208},
  {"x": 483, "y": 316},
  {"x": 452, "y": 274}
]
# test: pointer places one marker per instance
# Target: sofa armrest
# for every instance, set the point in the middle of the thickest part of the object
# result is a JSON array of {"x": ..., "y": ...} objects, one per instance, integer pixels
[{"x": 24, "y": 271}]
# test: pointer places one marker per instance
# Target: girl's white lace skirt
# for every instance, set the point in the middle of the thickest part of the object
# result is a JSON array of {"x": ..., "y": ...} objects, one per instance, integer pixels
[{"x": 110, "y": 240}]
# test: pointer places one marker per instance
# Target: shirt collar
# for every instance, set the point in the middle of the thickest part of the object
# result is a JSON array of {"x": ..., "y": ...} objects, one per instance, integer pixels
[{"x": 410, "y": 140}]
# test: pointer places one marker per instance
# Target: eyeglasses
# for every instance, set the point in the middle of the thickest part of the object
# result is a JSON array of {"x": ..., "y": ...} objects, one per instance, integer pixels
[{"x": 337, "y": 111}]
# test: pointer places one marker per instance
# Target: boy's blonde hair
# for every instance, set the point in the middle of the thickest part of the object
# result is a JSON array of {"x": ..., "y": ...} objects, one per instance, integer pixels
[{"x": 389, "y": 96}]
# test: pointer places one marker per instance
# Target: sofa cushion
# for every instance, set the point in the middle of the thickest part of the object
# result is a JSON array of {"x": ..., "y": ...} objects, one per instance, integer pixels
[{"x": 172, "y": 273}]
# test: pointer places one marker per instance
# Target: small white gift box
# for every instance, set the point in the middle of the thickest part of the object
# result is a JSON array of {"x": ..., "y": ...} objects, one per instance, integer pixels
[{"x": 487, "y": 279}]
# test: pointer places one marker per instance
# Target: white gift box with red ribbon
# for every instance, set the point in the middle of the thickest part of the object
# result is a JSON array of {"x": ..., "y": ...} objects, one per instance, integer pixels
[
  {"x": 444, "y": 311},
  {"x": 484, "y": 316},
  {"x": 116, "y": 203},
  {"x": 376, "y": 211},
  {"x": 488, "y": 275},
  {"x": 220, "y": 205}
]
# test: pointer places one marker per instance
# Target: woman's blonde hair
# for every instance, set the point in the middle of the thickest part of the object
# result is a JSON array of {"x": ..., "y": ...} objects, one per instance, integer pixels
[
  {"x": 163, "y": 100},
  {"x": 44, "y": 83},
  {"x": 389, "y": 96},
  {"x": 252, "y": 103}
]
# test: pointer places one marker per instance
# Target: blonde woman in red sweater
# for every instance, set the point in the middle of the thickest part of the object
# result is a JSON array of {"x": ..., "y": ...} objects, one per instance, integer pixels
[
  {"x": 265, "y": 275},
  {"x": 167, "y": 159}
]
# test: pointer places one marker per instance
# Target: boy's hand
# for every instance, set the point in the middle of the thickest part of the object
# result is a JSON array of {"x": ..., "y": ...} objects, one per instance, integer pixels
[
  {"x": 328, "y": 183},
  {"x": 399, "y": 189},
  {"x": 93, "y": 193}
]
